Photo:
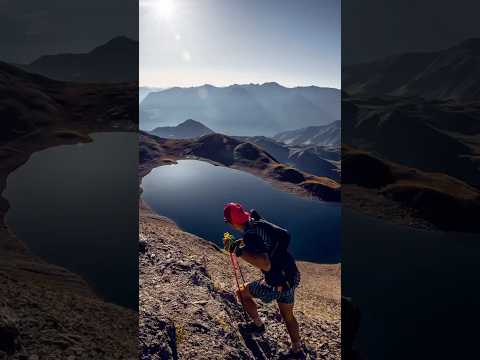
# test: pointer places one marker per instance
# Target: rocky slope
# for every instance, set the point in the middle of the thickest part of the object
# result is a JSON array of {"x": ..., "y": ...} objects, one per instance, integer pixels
[
  {"x": 46, "y": 311},
  {"x": 326, "y": 135},
  {"x": 231, "y": 152},
  {"x": 188, "y": 309},
  {"x": 316, "y": 160}
]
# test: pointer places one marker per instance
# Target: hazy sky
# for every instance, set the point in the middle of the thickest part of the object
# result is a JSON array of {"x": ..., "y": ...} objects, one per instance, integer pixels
[
  {"x": 222, "y": 42},
  {"x": 32, "y": 28},
  {"x": 373, "y": 29}
]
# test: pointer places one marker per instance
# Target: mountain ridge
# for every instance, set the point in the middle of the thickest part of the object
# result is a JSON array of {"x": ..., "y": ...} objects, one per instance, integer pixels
[
  {"x": 242, "y": 110},
  {"x": 444, "y": 74},
  {"x": 114, "y": 61},
  {"x": 324, "y": 135},
  {"x": 231, "y": 152},
  {"x": 187, "y": 129}
]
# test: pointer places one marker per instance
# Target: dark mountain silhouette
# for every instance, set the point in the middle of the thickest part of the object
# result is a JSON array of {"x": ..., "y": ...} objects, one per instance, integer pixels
[
  {"x": 242, "y": 109},
  {"x": 187, "y": 129},
  {"x": 114, "y": 61},
  {"x": 434, "y": 136},
  {"x": 326, "y": 135},
  {"x": 452, "y": 73},
  {"x": 412, "y": 126}
]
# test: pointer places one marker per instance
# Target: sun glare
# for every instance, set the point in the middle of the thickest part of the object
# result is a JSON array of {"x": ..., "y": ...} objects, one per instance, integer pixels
[{"x": 165, "y": 9}]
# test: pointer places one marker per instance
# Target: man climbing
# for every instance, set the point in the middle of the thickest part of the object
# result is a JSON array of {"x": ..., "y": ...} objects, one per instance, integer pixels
[{"x": 265, "y": 246}]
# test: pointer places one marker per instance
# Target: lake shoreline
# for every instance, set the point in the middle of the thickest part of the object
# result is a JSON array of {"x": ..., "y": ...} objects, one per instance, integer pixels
[
  {"x": 73, "y": 227},
  {"x": 29, "y": 282},
  {"x": 323, "y": 241},
  {"x": 155, "y": 151}
]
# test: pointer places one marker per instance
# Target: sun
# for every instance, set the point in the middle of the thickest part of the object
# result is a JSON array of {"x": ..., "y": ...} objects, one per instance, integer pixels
[{"x": 165, "y": 9}]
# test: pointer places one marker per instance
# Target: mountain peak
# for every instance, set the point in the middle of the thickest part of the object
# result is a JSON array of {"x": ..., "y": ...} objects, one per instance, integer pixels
[
  {"x": 188, "y": 129},
  {"x": 119, "y": 43},
  {"x": 120, "y": 40},
  {"x": 191, "y": 122},
  {"x": 272, "y": 84}
]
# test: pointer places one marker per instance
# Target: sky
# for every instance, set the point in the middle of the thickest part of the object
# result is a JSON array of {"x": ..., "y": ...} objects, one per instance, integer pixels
[
  {"x": 224, "y": 42},
  {"x": 373, "y": 29},
  {"x": 32, "y": 28}
]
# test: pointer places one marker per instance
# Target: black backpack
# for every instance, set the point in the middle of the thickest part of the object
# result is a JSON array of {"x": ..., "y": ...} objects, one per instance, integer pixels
[
  {"x": 284, "y": 269},
  {"x": 281, "y": 236}
]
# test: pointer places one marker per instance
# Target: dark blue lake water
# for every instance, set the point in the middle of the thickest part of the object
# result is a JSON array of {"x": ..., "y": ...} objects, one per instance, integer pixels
[
  {"x": 193, "y": 193},
  {"x": 77, "y": 206},
  {"x": 417, "y": 290}
]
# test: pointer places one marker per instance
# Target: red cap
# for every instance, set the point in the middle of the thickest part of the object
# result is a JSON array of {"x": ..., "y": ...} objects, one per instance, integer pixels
[{"x": 235, "y": 214}]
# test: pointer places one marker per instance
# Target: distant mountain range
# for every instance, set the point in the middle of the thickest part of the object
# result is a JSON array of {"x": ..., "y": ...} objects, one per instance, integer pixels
[
  {"x": 326, "y": 135},
  {"x": 185, "y": 130},
  {"x": 420, "y": 110},
  {"x": 316, "y": 160},
  {"x": 434, "y": 136},
  {"x": 143, "y": 91},
  {"x": 452, "y": 73},
  {"x": 242, "y": 109},
  {"x": 114, "y": 61}
]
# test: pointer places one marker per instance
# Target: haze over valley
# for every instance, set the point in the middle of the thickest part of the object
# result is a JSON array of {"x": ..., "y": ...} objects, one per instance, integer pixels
[{"x": 253, "y": 109}]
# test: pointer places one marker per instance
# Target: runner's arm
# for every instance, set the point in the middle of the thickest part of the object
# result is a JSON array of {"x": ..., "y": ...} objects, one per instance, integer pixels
[{"x": 261, "y": 261}]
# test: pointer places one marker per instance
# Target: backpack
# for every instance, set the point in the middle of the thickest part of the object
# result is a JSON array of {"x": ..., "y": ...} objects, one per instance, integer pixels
[
  {"x": 284, "y": 269},
  {"x": 279, "y": 234}
]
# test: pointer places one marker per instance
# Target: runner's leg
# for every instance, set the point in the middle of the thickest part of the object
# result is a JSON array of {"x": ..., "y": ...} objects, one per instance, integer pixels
[
  {"x": 286, "y": 310},
  {"x": 249, "y": 304}
]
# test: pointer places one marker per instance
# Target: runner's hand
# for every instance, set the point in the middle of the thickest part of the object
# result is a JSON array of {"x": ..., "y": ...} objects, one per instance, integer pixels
[{"x": 229, "y": 242}]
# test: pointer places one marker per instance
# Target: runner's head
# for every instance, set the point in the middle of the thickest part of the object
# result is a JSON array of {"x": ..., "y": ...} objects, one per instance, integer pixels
[{"x": 235, "y": 215}]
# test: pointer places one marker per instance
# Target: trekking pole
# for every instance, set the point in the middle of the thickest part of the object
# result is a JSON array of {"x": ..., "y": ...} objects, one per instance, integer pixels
[
  {"x": 234, "y": 262},
  {"x": 239, "y": 268}
]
